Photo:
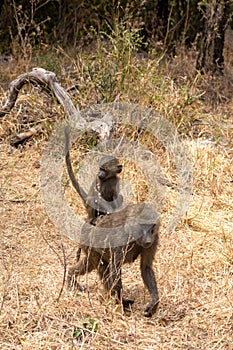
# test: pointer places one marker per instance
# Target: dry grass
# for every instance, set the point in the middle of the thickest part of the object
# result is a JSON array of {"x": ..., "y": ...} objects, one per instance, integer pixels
[{"x": 194, "y": 265}]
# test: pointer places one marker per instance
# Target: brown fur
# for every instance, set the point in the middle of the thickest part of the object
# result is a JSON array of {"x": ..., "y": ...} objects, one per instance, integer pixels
[
  {"x": 108, "y": 261},
  {"x": 103, "y": 196}
]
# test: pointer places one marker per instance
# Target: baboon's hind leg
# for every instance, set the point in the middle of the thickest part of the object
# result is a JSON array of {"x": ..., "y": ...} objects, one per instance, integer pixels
[{"x": 85, "y": 265}]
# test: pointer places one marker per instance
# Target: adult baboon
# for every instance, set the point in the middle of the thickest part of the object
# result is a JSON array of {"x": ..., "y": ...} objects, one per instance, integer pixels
[
  {"x": 130, "y": 233},
  {"x": 103, "y": 196}
]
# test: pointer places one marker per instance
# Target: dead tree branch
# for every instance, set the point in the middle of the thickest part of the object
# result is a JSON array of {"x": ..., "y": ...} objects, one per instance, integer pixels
[
  {"x": 21, "y": 137},
  {"x": 48, "y": 80}
]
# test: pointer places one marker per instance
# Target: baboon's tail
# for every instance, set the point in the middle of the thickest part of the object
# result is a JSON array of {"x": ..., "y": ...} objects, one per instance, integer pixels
[{"x": 75, "y": 183}]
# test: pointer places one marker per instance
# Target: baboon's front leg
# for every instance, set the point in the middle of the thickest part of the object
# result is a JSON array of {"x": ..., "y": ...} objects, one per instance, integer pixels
[
  {"x": 149, "y": 280},
  {"x": 113, "y": 281},
  {"x": 148, "y": 277}
]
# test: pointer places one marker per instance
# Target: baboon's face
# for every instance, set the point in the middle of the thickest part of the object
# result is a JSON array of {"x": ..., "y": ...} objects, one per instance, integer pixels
[
  {"x": 109, "y": 167},
  {"x": 147, "y": 237}
]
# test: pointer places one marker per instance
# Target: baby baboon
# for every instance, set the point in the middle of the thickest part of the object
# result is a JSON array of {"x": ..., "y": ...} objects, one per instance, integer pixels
[
  {"x": 108, "y": 261},
  {"x": 103, "y": 196}
]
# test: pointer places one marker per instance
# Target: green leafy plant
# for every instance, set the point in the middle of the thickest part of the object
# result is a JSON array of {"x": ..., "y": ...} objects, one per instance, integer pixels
[{"x": 89, "y": 325}]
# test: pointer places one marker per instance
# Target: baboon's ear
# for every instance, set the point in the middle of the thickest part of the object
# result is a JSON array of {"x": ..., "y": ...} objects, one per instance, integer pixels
[
  {"x": 119, "y": 168},
  {"x": 102, "y": 174}
]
